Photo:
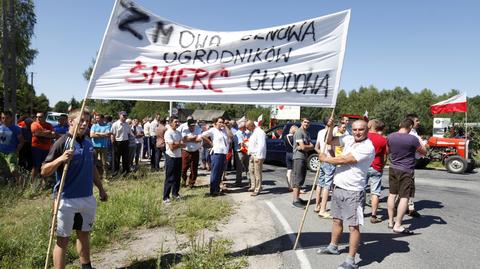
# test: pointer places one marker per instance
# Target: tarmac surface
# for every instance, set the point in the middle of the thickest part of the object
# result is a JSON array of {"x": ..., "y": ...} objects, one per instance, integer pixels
[{"x": 446, "y": 234}]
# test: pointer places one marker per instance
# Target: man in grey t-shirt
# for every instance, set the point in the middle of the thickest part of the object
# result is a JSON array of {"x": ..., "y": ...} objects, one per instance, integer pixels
[{"x": 301, "y": 147}]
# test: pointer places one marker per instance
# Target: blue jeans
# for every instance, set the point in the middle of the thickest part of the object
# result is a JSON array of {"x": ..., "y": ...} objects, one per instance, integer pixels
[
  {"x": 375, "y": 178},
  {"x": 173, "y": 172},
  {"x": 325, "y": 179},
  {"x": 218, "y": 166}
]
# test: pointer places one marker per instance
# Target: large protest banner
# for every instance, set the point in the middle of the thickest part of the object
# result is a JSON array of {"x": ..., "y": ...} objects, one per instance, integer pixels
[{"x": 147, "y": 57}]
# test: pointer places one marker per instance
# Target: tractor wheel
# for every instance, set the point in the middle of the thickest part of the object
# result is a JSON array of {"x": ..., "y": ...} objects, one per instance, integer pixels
[
  {"x": 470, "y": 166},
  {"x": 456, "y": 164},
  {"x": 313, "y": 163}
]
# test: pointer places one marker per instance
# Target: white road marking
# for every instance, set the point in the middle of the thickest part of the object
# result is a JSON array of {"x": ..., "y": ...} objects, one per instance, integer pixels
[{"x": 304, "y": 263}]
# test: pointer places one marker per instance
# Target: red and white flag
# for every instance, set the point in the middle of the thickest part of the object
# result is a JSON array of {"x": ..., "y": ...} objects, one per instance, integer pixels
[
  {"x": 260, "y": 120},
  {"x": 457, "y": 103}
]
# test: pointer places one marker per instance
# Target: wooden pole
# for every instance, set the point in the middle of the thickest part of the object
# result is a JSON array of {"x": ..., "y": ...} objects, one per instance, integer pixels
[{"x": 322, "y": 150}]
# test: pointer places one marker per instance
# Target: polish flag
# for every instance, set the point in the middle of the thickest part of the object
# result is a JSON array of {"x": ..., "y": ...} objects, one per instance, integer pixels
[{"x": 457, "y": 103}]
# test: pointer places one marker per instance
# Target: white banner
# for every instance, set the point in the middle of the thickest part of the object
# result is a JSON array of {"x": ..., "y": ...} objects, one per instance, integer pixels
[
  {"x": 282, "y": 112},
  {"x": 147, "y": 57}
]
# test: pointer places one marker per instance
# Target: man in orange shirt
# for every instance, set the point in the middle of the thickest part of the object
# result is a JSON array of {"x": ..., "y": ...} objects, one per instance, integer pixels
[{"x": 42, "y": 135}]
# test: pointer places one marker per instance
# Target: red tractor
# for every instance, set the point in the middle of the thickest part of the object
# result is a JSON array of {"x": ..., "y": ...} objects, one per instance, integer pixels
[{"x": 455, "y": 153}]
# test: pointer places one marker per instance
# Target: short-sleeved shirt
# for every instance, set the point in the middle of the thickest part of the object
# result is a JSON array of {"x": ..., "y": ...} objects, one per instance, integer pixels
[
  {"x": 146, "y": 129},
  {"x": 353, "y": 176},
  {"x": 9, "y": 138},
  {"x": 289, "y": 142},
  {"x": 192, "y": 146},
  {"x": 219, "y": 139},
  {"x": 79, "y": 179},
  {"x": 301, "y": 136},
  {"x": 160, "y": 134},
  {"x": 100, "y": 142},
  {"x": 41, "y": 142},
  {"x": 322, "y": 134},
  {"x": 380, "y": 144},
  {"x": 120, "y": 130},
  {"x": 170, "y": 137},
  {"x": 61, "y": 129},
  {"x": 240, "y": 137},
  {"x": 138, "y": 130},
  {"x": 402, "y": 149}
]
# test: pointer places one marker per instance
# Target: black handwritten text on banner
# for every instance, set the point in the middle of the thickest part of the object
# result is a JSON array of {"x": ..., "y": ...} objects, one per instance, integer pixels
[{"x": 146, "y": 57}]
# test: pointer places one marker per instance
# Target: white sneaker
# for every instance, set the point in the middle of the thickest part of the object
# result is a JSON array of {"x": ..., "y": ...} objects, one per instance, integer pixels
[{"x": 166, "y": 201}]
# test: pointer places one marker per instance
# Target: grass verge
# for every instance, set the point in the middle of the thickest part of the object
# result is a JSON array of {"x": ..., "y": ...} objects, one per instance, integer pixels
[{"x": 134, "y": 202}]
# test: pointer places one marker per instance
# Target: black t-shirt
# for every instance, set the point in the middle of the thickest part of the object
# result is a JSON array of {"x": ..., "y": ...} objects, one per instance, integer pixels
[{"x": 288, "y": 140}]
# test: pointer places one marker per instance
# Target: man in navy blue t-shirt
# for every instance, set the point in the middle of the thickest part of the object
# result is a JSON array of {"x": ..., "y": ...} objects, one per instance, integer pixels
[{"x": 77, "y": 205}]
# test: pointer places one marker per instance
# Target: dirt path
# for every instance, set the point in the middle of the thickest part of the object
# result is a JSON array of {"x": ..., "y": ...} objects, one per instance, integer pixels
[{"x": 250, "y": 225}]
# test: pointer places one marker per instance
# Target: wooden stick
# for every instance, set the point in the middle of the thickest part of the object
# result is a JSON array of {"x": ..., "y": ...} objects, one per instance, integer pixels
[
  {"x": 60, "y": 188},
  {"x": 322, "y": 150}
]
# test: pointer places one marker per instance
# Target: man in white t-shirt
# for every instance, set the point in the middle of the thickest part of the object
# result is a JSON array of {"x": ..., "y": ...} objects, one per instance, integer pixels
[
  {"x": 173, "y": 160},
  {"x": 327, "y": 171},
  {"x": 348, "y": 196},
  {"x": 192, "y": 137}
]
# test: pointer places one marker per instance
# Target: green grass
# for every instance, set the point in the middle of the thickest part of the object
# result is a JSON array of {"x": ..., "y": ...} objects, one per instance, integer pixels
[{"x": 134, "y": 202}]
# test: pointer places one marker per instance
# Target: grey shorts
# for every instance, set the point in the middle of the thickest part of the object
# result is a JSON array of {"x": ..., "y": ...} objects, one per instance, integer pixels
[
  {"x": 299, "y": 172},
  {"x": 348, "y": 206}
]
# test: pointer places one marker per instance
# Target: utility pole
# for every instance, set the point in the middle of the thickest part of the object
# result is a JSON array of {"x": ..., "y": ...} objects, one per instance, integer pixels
[
  {"x": 9, "y": 56},
  {"x": 13, "y": 58},
  {"x": 5, "y": 50}
]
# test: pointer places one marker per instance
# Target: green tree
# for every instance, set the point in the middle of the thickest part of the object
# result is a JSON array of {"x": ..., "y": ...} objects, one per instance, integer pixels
[
  {"x": 16, "y": 53},
  {"x": 61, "y": 106}
]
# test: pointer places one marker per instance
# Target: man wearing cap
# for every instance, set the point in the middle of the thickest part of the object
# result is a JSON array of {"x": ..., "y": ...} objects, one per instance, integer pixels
[
  {"x": 192, "y": 137},
  {"x": 120, "y": 130},
  {"x": 240, "y": 151}
]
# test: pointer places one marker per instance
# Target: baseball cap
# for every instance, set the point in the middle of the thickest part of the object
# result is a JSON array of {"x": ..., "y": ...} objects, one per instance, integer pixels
[{"x": 190, "y": 122}]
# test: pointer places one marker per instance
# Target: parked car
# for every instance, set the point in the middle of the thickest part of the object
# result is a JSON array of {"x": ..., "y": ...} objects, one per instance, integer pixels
[
  {"x": 276, "y": 146},
  {"x": 52, "y": 118}
]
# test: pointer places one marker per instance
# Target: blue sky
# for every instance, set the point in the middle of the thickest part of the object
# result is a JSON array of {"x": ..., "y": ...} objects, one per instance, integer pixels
[{"x": 432, "y": 44}]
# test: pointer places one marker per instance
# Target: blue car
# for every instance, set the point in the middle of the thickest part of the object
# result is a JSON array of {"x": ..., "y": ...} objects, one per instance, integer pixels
[{"x": 276, "y": 146}]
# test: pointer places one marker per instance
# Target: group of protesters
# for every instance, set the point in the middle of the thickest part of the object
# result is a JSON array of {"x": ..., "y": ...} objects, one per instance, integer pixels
[{"x": 352, "y": 159}]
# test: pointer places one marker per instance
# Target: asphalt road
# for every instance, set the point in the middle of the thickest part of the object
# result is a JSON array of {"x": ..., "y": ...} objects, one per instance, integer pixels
[{"x": 447, "y": 233}]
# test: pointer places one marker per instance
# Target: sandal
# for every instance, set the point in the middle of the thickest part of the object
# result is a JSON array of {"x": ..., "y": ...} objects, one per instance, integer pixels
[
  {"x": 316, "y": 210},
  {"x": 374, "y": 219},
  {"x": 390, "y": 226},
  {"x": 405, "y": 231},
  {"x": 325, "y": 215}
]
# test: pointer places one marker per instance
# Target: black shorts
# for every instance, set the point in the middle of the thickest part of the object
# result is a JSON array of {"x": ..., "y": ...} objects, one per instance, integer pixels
[
  {"x": 299, "y": 172},
  {"x": 401, "y": 183},
  {"x": 289, "y": 160}
]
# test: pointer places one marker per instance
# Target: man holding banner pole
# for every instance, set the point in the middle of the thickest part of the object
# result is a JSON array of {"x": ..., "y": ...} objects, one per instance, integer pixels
[
  {"x": 77, "y": 205},
  {"x": 348, "y": 196}
]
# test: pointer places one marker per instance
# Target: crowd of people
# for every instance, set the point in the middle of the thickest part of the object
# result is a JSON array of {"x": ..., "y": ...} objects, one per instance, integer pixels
[{"x": 352, "y": 157}]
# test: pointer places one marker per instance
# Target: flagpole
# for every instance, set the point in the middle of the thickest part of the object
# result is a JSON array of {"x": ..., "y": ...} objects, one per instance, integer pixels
[{"x": 72, "y": 142}]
